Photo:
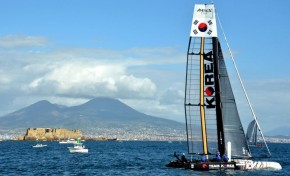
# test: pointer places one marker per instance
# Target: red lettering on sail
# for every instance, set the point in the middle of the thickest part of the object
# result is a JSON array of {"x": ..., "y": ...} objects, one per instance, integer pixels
[{"x": 209, "y": 80}]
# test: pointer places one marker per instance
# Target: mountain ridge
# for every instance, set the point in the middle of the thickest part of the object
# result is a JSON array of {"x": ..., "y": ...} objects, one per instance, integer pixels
[
  {"x": 280, "y": 131},
  {"x": 98, "y": 114}
]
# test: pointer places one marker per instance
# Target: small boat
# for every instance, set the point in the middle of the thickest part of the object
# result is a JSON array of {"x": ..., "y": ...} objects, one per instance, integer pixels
[
  {"x": 251, "y": 135},
  {"x": 69, "y": 141},
  {"x": 112, "y": 139},
  {"x": 39, "y": 146},
  {"x": 78, "y": 148},
  {"x": 63, "y": 142}
]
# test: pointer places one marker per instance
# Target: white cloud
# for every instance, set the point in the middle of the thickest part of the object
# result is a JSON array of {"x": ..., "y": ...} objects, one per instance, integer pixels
[
  {"x": 16, "y": 41},
  {"x": 4, "y": 79},
  {"x": 91, "y": 79}
]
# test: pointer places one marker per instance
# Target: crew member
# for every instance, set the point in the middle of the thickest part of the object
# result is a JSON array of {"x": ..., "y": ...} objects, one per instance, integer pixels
[
  {"x": 183, "y": 158},
  {"x": 218, "y": 155},
  {"x": 203, "y": 158},
  {"x": 225, "y": 158}
]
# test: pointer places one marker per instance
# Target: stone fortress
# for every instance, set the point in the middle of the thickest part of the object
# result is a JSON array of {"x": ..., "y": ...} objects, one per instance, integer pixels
[{"x": 51, "y": 134}]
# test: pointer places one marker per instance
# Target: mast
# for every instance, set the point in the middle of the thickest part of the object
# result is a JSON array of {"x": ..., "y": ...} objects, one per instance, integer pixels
[{"x": 202, "y": 111}]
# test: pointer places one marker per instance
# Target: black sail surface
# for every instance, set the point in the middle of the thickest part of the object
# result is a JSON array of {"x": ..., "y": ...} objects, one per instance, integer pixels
[{"x": 232, "y": 126}]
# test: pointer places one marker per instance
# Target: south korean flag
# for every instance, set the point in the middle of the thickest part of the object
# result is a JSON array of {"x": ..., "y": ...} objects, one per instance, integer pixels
[{"x": 203, "y": 22}]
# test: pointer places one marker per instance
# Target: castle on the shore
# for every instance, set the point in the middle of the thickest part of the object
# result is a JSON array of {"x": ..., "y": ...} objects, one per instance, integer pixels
[{"x": 51, "y": 134}]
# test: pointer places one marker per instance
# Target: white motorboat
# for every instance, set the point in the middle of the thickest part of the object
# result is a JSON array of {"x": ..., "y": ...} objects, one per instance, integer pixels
[
  {"x": 78, "y": 147},
  {"x": 39, "y": 146},
  {"x": 63, "y": 142},
  {"x": 69, "y": 141}
]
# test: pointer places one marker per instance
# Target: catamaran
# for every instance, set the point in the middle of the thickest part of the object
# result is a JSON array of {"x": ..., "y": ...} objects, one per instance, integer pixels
[
  {"x": 252, "y": 134},
  {"x": 215, "y": 135}
]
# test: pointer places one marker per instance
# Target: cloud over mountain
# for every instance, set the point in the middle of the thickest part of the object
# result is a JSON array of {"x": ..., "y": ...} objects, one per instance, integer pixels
[
  {"x": 90, "y": 79},
  {"x": 73, "y": 75}
]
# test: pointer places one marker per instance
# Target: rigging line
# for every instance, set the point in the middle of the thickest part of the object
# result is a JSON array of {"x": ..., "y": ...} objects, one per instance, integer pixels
[{"x": 241, "y": 82}]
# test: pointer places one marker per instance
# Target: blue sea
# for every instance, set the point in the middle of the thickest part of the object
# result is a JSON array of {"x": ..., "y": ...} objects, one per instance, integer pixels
[{"x": 112, "y": 158}]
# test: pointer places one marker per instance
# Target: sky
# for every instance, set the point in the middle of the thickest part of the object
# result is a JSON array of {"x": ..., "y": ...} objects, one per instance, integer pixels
[{"x": 68, "y": 52}]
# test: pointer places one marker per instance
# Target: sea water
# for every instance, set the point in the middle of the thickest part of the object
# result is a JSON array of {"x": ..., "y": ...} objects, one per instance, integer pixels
[{"x": 112, "y": 158}]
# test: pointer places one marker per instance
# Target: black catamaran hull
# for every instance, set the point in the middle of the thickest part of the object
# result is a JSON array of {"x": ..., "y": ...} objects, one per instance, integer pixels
[
  {"x": 204, "y": 166},
  {"x": 233, "y": 165}
]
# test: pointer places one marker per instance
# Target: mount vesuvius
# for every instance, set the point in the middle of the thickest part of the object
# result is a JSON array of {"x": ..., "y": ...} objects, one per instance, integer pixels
[{"x": 98, "y": 113}]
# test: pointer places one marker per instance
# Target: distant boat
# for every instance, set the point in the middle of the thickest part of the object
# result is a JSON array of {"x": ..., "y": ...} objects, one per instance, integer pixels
[
  {"x": 63, "y": 142},
  {"x": 215, "y": 135},
  {"x": 252, "y": 133},
  {"x": 39, "y": 146},
  {"x": 112, "y": 139},
  {"x": 69, "y": 141},
  {"x": 78, "y": 148}
]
